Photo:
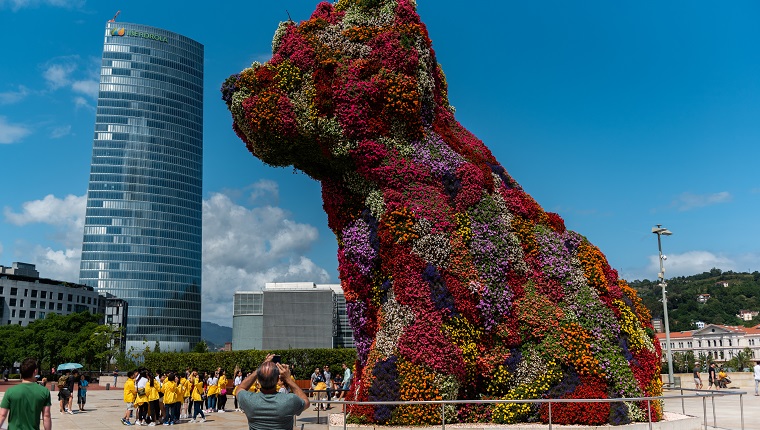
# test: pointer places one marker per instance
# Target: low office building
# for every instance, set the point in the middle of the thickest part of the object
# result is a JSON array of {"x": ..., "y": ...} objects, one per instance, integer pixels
[
  {"x": 25, "y": 297},
  {"x": 291, "y": 315}
]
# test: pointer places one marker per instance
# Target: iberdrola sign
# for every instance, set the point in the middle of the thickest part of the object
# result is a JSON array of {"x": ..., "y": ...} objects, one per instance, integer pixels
[{"x": 134, "y": 33}]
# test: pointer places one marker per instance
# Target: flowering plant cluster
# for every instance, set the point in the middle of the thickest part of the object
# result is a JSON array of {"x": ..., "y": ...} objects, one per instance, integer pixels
[{"x": 458, "y": 284}]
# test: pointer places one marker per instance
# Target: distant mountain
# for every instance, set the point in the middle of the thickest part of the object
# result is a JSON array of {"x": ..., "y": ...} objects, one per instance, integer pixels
[{"x": 215, "y": 335}]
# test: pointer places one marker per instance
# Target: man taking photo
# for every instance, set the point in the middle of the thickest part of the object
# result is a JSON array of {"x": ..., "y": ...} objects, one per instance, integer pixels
[{"x": 268, "y": 409}]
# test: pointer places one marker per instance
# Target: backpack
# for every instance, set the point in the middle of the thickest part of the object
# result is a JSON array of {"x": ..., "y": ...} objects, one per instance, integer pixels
[{"x": 62, "y": 381}]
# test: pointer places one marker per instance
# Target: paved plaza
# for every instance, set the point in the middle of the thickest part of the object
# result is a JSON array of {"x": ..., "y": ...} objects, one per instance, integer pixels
[{"x": 105, "y": 408}]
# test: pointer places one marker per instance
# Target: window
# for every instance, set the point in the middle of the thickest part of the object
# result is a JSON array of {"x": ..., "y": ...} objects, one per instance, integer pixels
[
  {"x": 68, "y": 308},
  {"x": 51, "y": 305},
  {"x": 42, "y": 315},
  {"x": 26, "y": 292},
  {"x": 32, "y": 314},
  {"x": 43, "y": 295},
  {"x": 34, "y": 304},
  {"x": 13, "y": 313},
  {"x": 34, "y": 293},
  {"x": 70, "y": 297},
  {"x": 60, "y": 296},
  {"x": 12, "y": 302},
  {"x": 22, "y": 314},
  {"x": 59, "y": 307},
  {"x": 14, "y": 291}
]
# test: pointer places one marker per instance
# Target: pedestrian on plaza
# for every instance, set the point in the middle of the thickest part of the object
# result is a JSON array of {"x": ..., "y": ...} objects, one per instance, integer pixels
[
  {"x": 82, "y": 392},
  {"x": 72, "y": 380},
  {"x": 347, "y": 377},
  {"x": 212, "y": 391},
  {"x": 236, "y": 382},
  {"x": 697, "y": 378},
  {"x": 23, "y": 404},
  {"x": 130, "y": 394},
  {"x": 154, "y": 409},
  {"x": 64, "y": 394},
  {"x": 712, "y": 377},
  {"x": 115, "y": 376},
  {"x": 222, "y": 391},
  {"x": 328, "y": 384},
  {"x": 5, "y": 374},
  {"x": 268, "y": 409},
  {"x": 197, "y": 396}
]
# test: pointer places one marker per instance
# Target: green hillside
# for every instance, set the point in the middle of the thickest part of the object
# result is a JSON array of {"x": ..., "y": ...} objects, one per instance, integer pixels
[{"x": 742, "y": 292}]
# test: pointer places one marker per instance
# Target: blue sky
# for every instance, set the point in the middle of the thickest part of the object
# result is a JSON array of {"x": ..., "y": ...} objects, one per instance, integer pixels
[{"x": 616, "y": 115}]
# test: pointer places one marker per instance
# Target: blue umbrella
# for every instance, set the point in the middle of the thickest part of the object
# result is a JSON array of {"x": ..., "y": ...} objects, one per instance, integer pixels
[{"x": 69, "y": 366}]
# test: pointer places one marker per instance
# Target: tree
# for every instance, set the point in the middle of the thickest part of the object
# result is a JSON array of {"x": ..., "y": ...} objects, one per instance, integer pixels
[
  {"x": 741, "y": 361},
  {"x": 201, "y": 346}
]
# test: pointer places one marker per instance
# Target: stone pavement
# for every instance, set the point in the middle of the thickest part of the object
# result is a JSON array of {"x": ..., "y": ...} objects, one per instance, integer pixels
[{"x": 105, "y": 408}]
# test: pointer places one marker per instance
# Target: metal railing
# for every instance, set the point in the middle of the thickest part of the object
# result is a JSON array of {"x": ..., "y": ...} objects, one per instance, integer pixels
[{"x": 698, "y": 394}]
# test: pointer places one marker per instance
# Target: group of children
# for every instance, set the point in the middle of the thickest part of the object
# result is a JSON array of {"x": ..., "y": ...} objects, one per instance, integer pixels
[{"x": 167, "y": 398}]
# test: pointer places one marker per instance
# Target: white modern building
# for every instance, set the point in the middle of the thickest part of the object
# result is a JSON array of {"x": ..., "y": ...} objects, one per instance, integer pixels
[{"x": 291, "y": 315}]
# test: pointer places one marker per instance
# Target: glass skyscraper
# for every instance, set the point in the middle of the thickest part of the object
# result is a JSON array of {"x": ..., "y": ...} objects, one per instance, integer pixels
[{"x": 142, "y": 233}]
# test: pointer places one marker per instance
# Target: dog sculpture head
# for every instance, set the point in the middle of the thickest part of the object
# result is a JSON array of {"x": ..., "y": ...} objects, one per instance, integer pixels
[
  {"x": 458, "y": 284},
  {"x": 355, "y": 72}
]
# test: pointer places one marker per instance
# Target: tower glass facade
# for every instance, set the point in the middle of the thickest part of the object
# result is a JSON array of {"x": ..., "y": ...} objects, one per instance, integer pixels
[{"x": 142, "y": 233}]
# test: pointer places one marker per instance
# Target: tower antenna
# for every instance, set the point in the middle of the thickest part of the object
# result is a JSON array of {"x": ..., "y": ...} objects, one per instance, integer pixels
[
  {"x": 289, "y": 18},
  {"x": 114, "y": 17}
]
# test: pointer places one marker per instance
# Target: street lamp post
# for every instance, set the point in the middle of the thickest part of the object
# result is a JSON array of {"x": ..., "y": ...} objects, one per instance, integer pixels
[{"x": 660, "y": 231}]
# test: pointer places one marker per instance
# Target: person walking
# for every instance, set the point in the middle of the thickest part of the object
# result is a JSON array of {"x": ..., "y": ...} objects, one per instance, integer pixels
[
  {"x": 222, "y": 401},
  {"x": 697, "y": 378},
  {"x": 23, "y": 404},
  {"x": 197, "y": 397},
  {"x": 236, "y": 383},
  {"x": 712, "y": 377},
  {"x": 756, "y": 369},
  {"x": 130, "y": 394},
  {"x": 268, "y": 409}
]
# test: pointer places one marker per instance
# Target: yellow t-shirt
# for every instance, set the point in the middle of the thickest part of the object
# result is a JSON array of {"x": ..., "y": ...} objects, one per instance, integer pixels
[
  {"x": 212, "y": 389},
  {"x": 152, "y": 391},
  {"x": 186, "y": 387},
  {"x": 197, "y": 390},
  {"x": 170, "y": 392},
  {"x": 130, "y": 392},
  {"x": 222, "y": 384}
]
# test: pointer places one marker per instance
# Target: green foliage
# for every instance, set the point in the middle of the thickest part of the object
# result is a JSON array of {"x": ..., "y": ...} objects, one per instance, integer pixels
[
  {"x": 743, "y": 292},
  {"x": 302, "y": 361},
  {"x": 58, "y": 339},
  {"x": 201, "y": 346}
]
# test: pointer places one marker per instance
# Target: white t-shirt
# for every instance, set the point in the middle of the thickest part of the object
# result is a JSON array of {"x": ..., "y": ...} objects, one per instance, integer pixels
[
  {"x": 141, "y": 383},
  {"x": 238, "y": 380},
  {"x": 213, "y": 381},
  {"x": 757, "y": 372}
]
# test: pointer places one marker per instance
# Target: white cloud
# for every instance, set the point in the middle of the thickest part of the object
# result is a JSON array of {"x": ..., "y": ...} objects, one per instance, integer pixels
[
  {"x": 687, "y": 201},
  {"x": 81, "y": 102},
  {"x": 57, "y": 75},
  {"x": 67, "y": 212},
  {"x": 690, "y": 263},
  {"x": 243, "y": 247},
  {"x": 11, "y": 133},
  {"x": 59, "y": 132},
  {"x": 88, "y": 87},
  {"x": 11, "y": 97},
  {"x": 15, "y": 5}
]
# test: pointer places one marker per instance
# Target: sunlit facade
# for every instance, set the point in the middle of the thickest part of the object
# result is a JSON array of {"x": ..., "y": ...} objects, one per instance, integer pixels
[{"x": 142, "y": 234}]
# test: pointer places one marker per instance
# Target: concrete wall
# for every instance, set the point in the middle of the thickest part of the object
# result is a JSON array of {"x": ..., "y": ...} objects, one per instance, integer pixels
[{"x": 740, "y": 380}]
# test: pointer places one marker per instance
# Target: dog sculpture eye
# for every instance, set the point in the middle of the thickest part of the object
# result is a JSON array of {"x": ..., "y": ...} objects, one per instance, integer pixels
[{"x": 458, "y": 284}]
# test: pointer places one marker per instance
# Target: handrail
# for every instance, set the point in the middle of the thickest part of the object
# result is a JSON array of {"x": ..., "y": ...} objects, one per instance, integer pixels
[{"x": 703, "y": 394}]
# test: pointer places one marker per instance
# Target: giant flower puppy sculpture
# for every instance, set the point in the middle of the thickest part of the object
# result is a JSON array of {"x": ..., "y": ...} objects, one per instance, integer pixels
[{"x": 458, "y": 284}]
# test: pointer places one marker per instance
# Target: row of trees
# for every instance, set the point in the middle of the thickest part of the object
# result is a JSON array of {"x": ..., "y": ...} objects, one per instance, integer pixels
[{"x": 57, "y": 339}]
